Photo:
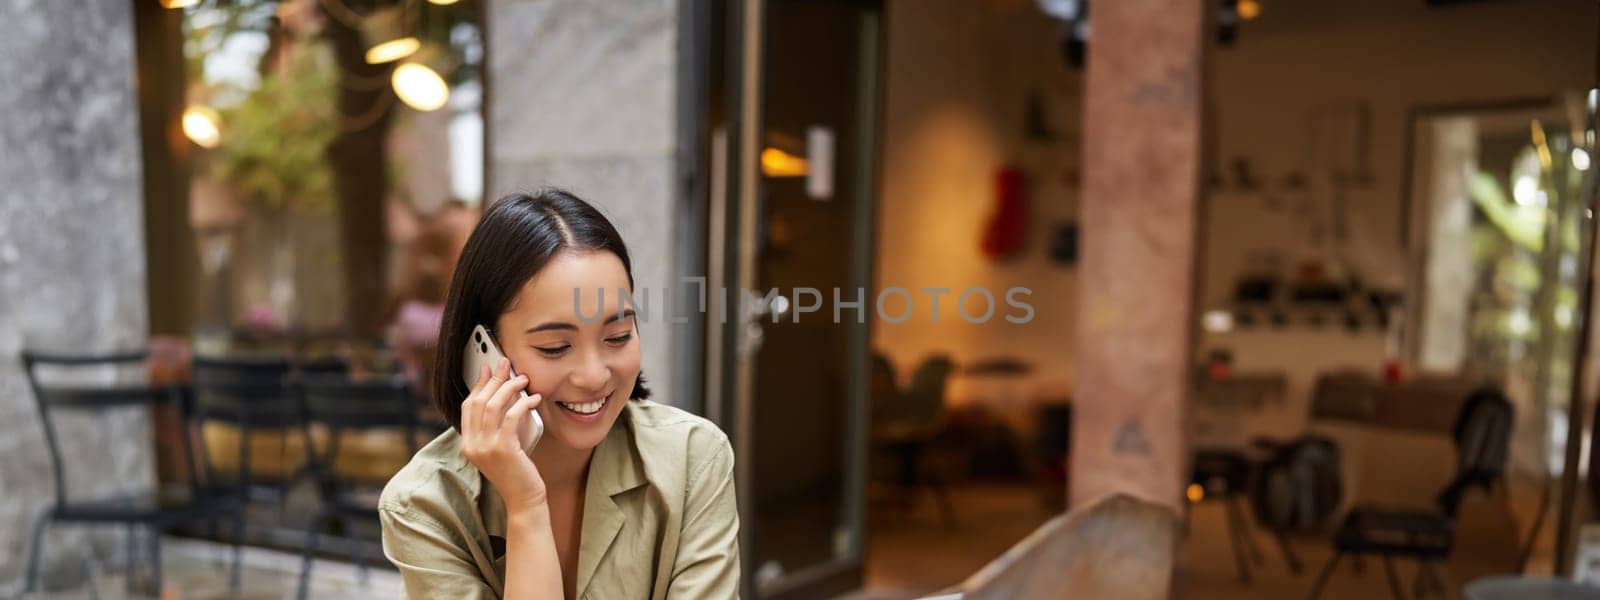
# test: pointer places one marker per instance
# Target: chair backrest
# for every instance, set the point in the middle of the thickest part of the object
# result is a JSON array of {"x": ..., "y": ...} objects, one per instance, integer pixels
[
  {"x": 52, "y": 397},
  {"x": 924, "y": 398},
  {"x": 245, "y": 390},
  {"x": 340, "y": 404},
  {"x": 1482, "y": 435},
  {"x": 338, "y": 401},
  {"x": 882, "y": 389}
]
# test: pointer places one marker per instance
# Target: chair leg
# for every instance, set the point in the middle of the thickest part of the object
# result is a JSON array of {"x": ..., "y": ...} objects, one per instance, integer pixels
[
  {"x": 1322, "y": 578},
  {"x": 234, "y": 575},
  {"x": 358, "y": 555},
  {"x": 1419, "y": 585},
  {"x": 1234, "y": 505},
  {"x": 130, "y": 558},
  {"x": 155, "y": 560},
  {"x": 1440, "y": 575},
  {"x": 1289, "y": 556},
  {"x": 308, "y": 555},
  {"x": 941, "y": 496},
  {"x": 34, "y": 548},
  {"x": 92, "y": 571},
  {"x": 1394, "y": 581},
  {"x": 1236, "y": 539}
]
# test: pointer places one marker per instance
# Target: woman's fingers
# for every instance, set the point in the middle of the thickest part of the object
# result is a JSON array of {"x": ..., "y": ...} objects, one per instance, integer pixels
[
  {"x": 518, "y": 413},
  {"x": 497, "y": 379},
  {"x": 472, "y": 406},
  {"x": 494, "y": 412}
]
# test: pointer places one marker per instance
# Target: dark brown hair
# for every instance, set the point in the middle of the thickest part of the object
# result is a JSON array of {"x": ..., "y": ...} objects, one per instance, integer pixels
[{"x": 514, "y": 240}]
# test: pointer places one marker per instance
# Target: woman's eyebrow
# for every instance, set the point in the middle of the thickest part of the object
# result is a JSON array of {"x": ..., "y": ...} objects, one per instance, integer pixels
[{"x": 563, "y": 325}]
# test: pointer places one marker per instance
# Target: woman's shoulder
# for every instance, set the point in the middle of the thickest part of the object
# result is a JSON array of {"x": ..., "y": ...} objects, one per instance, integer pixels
[
  {"x": 434, "y": 482},
  {"x": 660, "y": 419},
  {"x": 668, "y": 434}
]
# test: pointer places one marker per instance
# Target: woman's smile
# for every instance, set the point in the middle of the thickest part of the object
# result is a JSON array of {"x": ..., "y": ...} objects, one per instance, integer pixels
[{"x": 585, "y": 411}]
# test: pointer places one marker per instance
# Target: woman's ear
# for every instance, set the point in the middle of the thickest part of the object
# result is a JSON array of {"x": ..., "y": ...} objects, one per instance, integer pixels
[{"x": 640, "y": 392}]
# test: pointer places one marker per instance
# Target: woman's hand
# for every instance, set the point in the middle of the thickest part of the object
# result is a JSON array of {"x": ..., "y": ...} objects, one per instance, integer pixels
[{"x": 489, "y": 437}]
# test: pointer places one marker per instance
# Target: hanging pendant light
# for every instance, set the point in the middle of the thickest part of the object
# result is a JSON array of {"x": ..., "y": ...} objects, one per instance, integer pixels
[
  {"x": 202, "y": 125},
  {"x": 419, "y": 81},
  {"x": 386, "y": 37}
]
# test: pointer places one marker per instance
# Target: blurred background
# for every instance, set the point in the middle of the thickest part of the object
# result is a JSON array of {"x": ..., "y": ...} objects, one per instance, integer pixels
[{"x": 1308, "y": 280}]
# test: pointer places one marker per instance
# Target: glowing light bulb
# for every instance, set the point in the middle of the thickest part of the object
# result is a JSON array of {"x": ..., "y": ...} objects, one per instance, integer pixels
[
  {"x": 202, "y": 125},
  {"x": 420, "y": 87}
]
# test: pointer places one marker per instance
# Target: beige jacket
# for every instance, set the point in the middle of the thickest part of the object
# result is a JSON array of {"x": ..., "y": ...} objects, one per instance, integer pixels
[{"x": 659, "y": 516}]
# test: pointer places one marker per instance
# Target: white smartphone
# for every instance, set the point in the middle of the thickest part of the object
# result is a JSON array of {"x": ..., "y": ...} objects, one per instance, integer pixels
[{"x": 482, "y": 351}]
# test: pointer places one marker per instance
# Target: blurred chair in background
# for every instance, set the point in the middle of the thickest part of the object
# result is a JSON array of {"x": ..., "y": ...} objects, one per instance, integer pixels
[
  {"x": 154, "y": 510},
  {"x": 247, "y": 395},
  {"x": 906, "y": 424},
  {"x": 1482, "y": 436},
  {"x": 344, "y": 406}
]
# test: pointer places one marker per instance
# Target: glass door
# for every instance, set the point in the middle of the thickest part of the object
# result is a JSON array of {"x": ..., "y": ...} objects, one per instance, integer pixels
[{"x": 791, "y": 221}]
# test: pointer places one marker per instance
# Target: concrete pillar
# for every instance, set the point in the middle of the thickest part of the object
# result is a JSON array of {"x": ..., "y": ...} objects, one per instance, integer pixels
[
  {"x": 1142, "y": 146},
  {"x": 72, "y": 256},
  {"x": 585, "y": 96}
]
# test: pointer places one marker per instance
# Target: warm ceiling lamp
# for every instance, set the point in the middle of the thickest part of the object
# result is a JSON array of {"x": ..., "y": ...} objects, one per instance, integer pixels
[
  {"x": 1249, "y": 9},
  {"x": 419, "y": 86},
  {"x": 777, "y": 163},
  {"x": 385, "y": 34},
  {"x": 443, "y": 2},
  {"x": 178, "y": 3},
  {"x": 202, "y": 125}
]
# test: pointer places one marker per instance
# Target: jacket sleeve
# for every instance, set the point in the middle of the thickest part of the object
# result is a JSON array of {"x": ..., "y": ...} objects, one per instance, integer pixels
[
  {"x": 431, "y": 563},
  {"x": 707, "y": 565}
]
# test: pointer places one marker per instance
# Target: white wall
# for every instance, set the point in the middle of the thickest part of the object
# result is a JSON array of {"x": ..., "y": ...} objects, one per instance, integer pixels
[
  {"x": 1303, "y": 58},
  {"x": 958, "y": 76}
]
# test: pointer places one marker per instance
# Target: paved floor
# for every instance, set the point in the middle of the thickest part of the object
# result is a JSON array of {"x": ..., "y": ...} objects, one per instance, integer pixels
[{"x": 198, "y": 570}]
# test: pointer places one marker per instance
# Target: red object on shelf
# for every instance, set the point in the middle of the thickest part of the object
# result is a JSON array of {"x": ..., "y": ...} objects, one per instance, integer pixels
[
  {"x": 1004, "y": 234},
  {"x": 1219, "y": 371},
  {"x": 1392, "y": 371}
]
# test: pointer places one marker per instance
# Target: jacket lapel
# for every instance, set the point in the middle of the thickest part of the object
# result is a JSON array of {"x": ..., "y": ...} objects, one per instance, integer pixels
[{"x": 614, "y": 470}]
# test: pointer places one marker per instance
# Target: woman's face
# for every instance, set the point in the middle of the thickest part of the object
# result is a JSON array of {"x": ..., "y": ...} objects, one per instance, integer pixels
[{"x": 584, "y": 367}]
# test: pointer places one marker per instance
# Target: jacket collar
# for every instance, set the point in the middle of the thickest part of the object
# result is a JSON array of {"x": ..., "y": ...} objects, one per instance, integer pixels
[{"x": 614, "y": 469}]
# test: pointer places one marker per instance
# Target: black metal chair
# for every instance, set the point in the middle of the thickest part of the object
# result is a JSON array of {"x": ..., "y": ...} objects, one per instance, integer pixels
[
  {"x": 342, "y": 405},
  {"x": 249, "y": 394},
  {"x": 154, "y": 509},
  {"x": 1225, "y": 475},
  {"x": 907, "y": 430},
  {"x": 1482, "y": 436}
]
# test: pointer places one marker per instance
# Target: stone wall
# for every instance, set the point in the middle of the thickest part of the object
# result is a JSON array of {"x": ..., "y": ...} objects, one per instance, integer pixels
[
  {"x": 583, "y": 96},
  {"x": 72, "y": 266}
]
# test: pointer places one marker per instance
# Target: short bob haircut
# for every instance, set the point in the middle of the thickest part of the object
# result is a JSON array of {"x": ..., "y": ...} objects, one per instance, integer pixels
[{"x": 515, "y": 239}]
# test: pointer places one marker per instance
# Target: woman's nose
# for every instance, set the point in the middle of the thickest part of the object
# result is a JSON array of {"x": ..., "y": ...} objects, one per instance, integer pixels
[{"x": 592, "y": 374}]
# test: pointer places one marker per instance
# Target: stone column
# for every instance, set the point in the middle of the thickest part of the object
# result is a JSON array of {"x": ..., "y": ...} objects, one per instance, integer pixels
[
  {"x": 1142, "y": 146},
  {"x": 583, "y": 95},
  {"x": 72, "y": 256}
]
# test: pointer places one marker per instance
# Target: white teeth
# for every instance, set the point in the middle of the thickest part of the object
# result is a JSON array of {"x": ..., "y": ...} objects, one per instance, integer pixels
[{"x": 587, "y": 408}]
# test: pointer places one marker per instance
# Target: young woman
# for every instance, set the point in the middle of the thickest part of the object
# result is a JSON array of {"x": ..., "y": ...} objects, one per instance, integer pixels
[{"x": 621, "y": 497}]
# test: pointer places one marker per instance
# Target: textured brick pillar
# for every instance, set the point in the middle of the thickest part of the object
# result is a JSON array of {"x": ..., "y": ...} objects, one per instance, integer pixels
[{"x": 1142, "y": 111}]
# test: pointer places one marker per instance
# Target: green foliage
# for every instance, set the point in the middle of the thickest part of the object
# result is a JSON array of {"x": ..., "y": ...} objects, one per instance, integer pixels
[{"x": 274, "y": 144}]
